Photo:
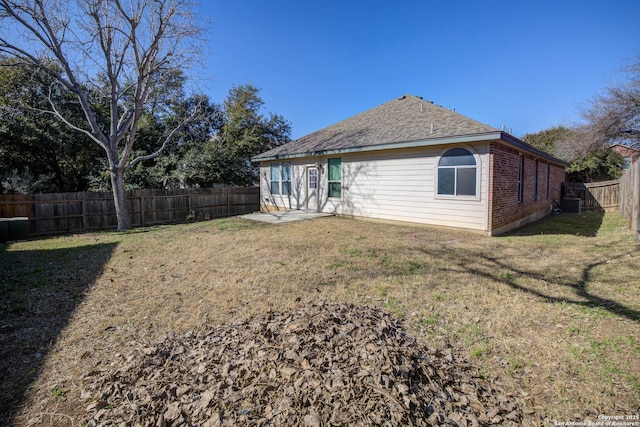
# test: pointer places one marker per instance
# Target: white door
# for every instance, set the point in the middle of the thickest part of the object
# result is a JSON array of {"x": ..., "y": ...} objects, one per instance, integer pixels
[{"x": 312, "y": 189}]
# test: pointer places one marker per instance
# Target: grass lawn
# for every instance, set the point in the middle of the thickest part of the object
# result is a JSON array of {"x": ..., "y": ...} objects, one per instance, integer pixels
[{"x": 551, "y": 310}]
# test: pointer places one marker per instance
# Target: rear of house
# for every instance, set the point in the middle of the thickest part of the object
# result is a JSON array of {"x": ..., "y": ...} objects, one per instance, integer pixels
[{"x": 410, "y": 160}]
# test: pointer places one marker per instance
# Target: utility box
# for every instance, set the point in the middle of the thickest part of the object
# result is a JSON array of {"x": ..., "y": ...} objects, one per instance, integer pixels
[
  {"x": 570, "y": 205},
  {"x": 14, "y": 229}
]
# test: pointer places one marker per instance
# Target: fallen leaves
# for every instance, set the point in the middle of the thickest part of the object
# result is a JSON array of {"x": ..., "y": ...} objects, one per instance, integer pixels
[{"x": 327, "y": 364}]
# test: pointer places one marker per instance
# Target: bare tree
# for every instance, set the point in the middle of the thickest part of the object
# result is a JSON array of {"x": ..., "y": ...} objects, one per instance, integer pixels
[
  {"x": 576, "y": 143},
  {"x": 114, "y": 57},
  {"x": 615, "y": 115}
]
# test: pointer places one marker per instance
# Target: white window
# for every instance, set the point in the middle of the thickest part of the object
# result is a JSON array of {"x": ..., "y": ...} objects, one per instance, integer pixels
[
  {"x": 457, "y": 173},
  {"x": 281, "y": 178}
]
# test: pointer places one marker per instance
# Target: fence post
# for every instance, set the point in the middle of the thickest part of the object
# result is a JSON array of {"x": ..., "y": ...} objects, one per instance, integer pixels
[
  {"x": 142, "y": 213},
  {"x": 228, "y": 208},
  {"x": 85, "y": 220},
  {"x": 635, "y": 210}
]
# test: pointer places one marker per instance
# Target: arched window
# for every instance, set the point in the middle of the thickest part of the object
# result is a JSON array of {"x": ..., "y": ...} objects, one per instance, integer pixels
[{"x": 457, "y": 173}]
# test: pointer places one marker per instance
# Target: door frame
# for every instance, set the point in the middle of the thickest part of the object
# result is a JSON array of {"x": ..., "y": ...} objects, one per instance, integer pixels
[{"x": 316, "y": 190}]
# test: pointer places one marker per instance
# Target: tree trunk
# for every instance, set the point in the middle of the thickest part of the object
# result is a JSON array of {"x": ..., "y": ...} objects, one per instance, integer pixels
[{"x": 117, "y": 185}]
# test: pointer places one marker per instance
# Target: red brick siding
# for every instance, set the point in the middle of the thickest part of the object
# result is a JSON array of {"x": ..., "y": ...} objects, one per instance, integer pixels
[
  {"x": 633, "y": 153},
  {"x": 504, "y": 207}
]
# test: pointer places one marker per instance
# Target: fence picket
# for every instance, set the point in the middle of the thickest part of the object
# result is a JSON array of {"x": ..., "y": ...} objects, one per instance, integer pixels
[
  {"x": 630, "y": 197},
  {"x": 86, "y": 211},
  {"x": 622, "y": 194},
  {"x": 596, "y": 196}
]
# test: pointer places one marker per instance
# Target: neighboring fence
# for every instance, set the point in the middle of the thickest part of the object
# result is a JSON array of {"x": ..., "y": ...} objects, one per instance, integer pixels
[
  {"x": 630, "y": 196},
  {"x": 595, "y": 196},
  {"x": 86, "y": 211}
]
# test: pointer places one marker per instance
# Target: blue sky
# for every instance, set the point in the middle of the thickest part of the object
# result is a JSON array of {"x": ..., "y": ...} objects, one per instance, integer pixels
[{"x": 529, "y": 65}]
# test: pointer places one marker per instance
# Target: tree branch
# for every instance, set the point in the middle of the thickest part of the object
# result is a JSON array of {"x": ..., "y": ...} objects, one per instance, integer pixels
[{"x": 167, "y": 139}]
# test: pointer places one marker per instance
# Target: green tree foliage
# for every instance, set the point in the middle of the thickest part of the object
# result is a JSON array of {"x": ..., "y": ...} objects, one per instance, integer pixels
[
  {"x": 37, "y": 152},
  {"x": 215, "y": 149},
  {"x": 245, "y": 133},
  {"x": 115, "y": 54},
  {"x": 185, "y": 163},
  {"x": 546, "y": 140},
  {"x": 237, "y": 130},
  {"x": 588, "y": 160},
  {"x": 597, "y": 165}
]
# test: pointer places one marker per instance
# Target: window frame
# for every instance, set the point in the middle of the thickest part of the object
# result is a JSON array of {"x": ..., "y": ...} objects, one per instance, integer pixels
[
  {"x": 535, "y": 182},
  {"x": 312, "y": 178},
  {"x": 332, "y": 182},
  {"x": 548, "y": 179},
  {"x": 456, "y": 169},
  {"x": 282, "y": 188},
  {"x": 274, "y": 178},
  {"x": 521, "y": 164}
]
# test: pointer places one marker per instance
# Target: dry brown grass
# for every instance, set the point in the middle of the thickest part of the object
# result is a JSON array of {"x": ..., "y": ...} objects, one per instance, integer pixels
[{"x": 552, "y": 311}]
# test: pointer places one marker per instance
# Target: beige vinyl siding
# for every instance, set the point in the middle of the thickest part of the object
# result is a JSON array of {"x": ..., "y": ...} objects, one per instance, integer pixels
[
  {"x": 397, "y": 185},
  {"x": 401, "y": 186}
]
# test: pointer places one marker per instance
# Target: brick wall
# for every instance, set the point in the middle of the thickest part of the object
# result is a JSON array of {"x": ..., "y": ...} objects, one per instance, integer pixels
[
  {"x": 504, "y": 208},
  {"x": 625, "y": 151}
]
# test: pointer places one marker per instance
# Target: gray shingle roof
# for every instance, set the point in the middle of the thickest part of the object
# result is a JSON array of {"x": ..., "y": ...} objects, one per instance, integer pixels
[
  {"x": 401, "y": 122},
  {"x": 404, "y": 119}
]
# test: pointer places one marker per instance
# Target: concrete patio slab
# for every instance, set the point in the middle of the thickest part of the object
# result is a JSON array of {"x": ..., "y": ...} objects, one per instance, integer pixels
[{"x": 277, "y": 217}]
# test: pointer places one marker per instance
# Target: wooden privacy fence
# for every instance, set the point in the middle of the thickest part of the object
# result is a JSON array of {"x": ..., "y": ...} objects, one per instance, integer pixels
[
  {"x": 630, "y": 196},
  {"x": 86, "y": 211},
  {"x": 595, "y": 196}
]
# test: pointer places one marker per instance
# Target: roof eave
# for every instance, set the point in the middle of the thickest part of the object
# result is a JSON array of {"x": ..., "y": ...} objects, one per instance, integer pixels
[
  {"x": 388, "y": 146},
  {"x": 458, "y": 139},
  {"x": 530, "y": 148}
]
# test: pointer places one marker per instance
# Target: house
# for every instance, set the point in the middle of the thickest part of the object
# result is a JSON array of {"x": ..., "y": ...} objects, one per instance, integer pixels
[
  {"x": 630, "y": 154},
  {"x": 411, "y": 160}
]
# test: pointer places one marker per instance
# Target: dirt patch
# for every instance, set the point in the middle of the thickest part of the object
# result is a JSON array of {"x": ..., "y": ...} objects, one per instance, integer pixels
[{"x": 326, "y": 364}]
